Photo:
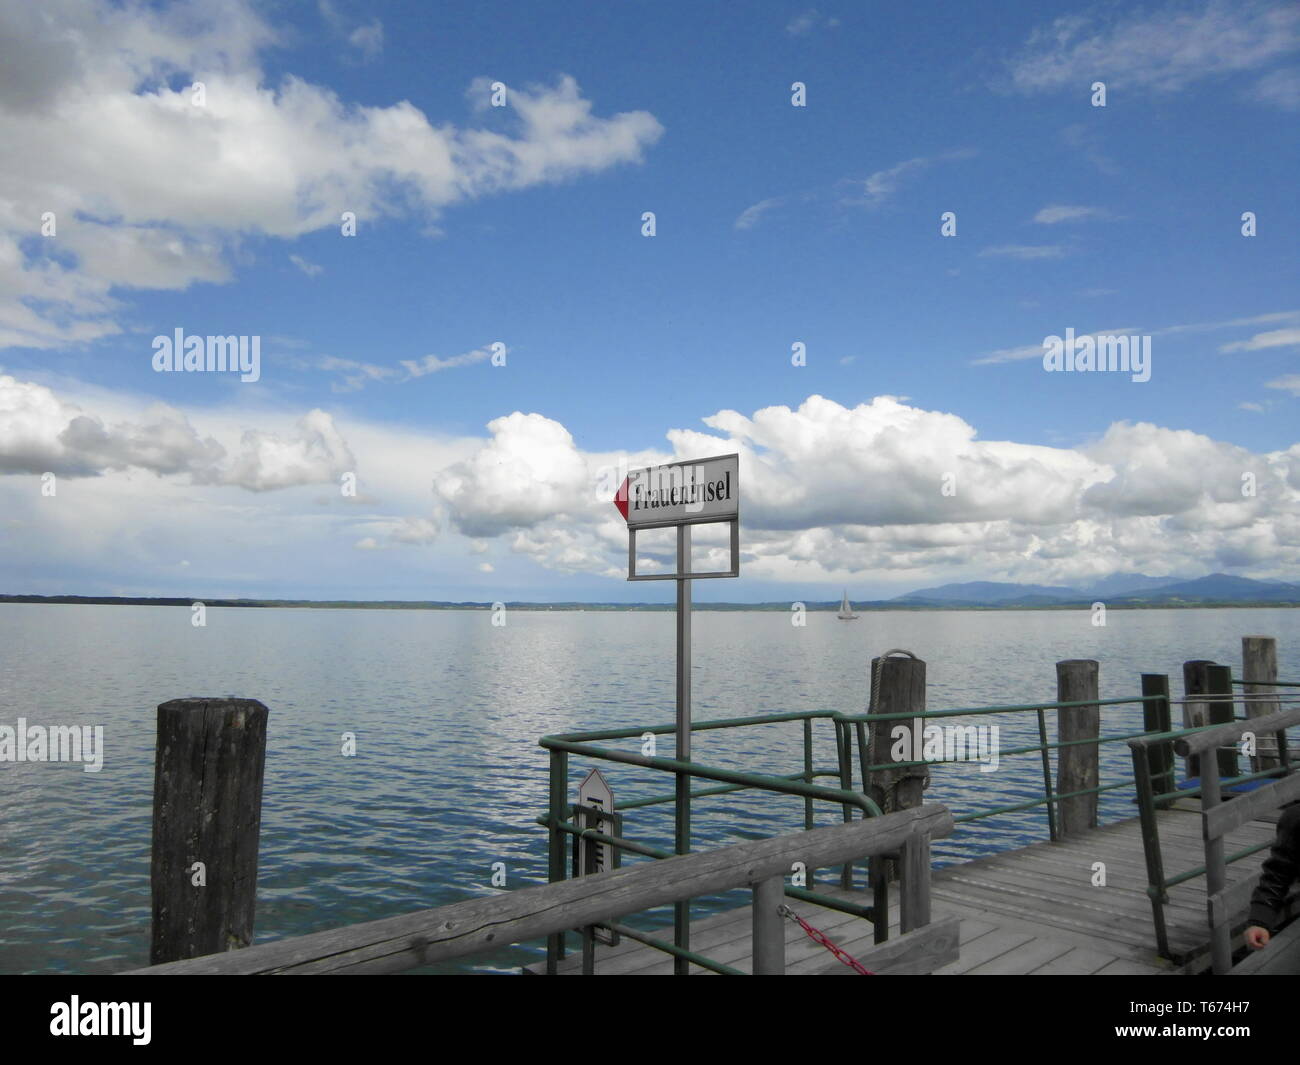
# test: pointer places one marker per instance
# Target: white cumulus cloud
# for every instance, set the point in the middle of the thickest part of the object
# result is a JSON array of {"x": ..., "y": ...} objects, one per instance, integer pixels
[
  {"x": 155, "y": 141},
  {"x": 830, "y": 491}
]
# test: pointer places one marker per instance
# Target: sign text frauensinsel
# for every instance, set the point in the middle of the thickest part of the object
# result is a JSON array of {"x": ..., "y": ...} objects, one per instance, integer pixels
[{"x": 697, "y": 491}]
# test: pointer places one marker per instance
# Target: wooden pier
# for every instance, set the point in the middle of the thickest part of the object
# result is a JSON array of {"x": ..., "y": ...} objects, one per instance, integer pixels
[
  {"x": 1159, "y": 893},
  {"x": 1028, "y": 911}
]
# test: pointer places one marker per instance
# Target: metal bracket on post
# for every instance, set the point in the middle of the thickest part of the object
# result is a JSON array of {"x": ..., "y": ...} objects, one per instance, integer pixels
[{"x": 732, "y": 571}]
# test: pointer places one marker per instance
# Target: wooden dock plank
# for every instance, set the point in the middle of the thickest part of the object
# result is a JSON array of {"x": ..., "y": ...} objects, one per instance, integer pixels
[
  {"x": 1042, "y": 891},
  {"x": 1030, "y": 910},
  {"x": 1002, "y": 940},
  {"x": 1010, "y": 909},
  {"x": 1124, "y": 967},
  {"x": 1131, "y": 930},
  {"x": 1089, "y": 940},
  {"x": 1077, "y": 961},
  {"x": 1024, "y": 959}
]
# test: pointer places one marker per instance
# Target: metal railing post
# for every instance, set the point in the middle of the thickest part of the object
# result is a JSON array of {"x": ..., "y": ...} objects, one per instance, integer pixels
[
  {"x": 559, "y": 782},
  {"x": 1150, "y": 844},
  {"x": 682, "y": 835},
  {"x": 844, "y": 744},
  {"x": 1047, "y": 775},
  {"x": 864, "y": 756},
  {"x": 808, "y": 778},
  {"x": 807, "y": 772}
]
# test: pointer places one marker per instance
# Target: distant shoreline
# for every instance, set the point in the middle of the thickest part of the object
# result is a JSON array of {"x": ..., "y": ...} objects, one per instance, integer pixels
[{"x": 785, "y": 606}]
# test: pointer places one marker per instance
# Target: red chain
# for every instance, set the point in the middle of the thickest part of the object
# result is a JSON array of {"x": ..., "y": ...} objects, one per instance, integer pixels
[{"x": 820, "y": 937}]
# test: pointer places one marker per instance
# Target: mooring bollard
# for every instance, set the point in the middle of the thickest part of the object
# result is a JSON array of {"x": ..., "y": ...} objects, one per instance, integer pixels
[
  {"x": 1076, "y": 766},
  {"x": 207, "y": 815},
  {"x": 1259, "y": 671}
]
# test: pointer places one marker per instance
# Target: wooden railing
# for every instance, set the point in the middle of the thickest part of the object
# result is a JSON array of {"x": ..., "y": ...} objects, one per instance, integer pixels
[
  {"x": 463, "y": 929},
  {"x": 1224, "y": 904}
]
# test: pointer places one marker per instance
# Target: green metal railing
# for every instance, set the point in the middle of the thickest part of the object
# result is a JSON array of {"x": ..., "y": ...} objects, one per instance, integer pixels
[
  {"x": 561, "y": 817},
  {"x": 1269, "y": 683},
  {"x": 564, "y": 820},
  {"x": 1156, "y": 702},
  {"x": 1153, "y": 778}
]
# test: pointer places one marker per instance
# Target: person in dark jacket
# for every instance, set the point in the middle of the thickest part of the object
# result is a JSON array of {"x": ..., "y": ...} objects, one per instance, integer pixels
[{"x": 1278, "y": 873}]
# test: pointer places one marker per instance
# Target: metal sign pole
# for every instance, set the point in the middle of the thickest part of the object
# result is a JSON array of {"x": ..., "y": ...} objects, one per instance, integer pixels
[
  {"x": 682, "y": 910},
  {"x": 685, "y": 493}
]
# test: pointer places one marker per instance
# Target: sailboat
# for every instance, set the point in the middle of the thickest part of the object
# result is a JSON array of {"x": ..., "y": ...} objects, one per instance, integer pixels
[{"x": 846, "y": 611}]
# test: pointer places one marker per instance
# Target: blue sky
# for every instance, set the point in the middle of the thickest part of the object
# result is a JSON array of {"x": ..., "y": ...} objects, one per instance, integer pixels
[{"x": 522, "y": 225}]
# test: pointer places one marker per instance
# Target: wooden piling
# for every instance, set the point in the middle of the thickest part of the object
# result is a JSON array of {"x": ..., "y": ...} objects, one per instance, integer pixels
[
  {"x": 769, "y": 926},
  {"x": 1219, "y": 681},
  {"x": 1076, "y": 766},
  {"x": 897, "y": 687},
  {"x": 1259, "y": 671},
  {"x": 207, "y": 815},
  {"x": 1156, "y": 718},
  {"x": 1196, "y": 713}
]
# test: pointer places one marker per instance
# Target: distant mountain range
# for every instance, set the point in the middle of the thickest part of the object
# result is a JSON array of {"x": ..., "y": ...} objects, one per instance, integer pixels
[
  {"x": 1117, "y": 590},
  {"x": 1120, "y": 589}
]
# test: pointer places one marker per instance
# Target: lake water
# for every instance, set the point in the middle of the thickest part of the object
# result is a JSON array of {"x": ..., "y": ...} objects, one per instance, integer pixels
[{"x": 447, "y": 710}]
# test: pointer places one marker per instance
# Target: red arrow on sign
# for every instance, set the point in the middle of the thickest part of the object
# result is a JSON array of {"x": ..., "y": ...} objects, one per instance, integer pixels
[{"x": 620, "y": 498}]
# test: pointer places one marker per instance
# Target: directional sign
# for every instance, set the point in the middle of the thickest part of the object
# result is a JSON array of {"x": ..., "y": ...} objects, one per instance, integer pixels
[
  {"x": 595, "y": 791},
  {"x": 694, "y": 491}
]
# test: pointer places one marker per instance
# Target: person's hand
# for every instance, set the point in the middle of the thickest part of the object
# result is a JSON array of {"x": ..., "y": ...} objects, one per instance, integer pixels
[{"x": 1256, "y": 937}]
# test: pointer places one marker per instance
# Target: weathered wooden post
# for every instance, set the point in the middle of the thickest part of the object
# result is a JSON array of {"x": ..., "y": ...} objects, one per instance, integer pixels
[
  {"x": 1076, "y": 766},
  {"x": 1259, "y": 671},
  {"x": 897, "y": 687},
  {"x": 1216, "y": 710},
  {"x": 1196, "y": 714},
  {"x": 914, "y": 892},
  {"x": 207, "y": 815},
  {"x": 1219, "y": 681},
  {"x": 768, "y": 927},
  {"x": 1156, "y": 718}
]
